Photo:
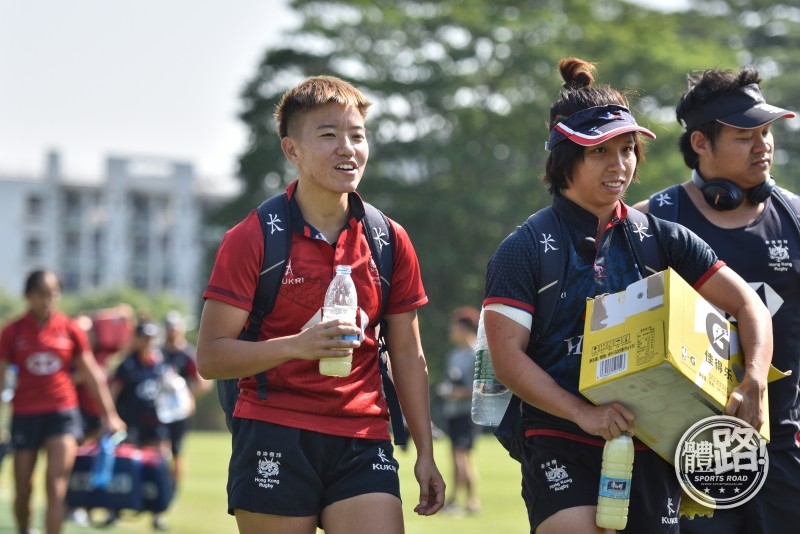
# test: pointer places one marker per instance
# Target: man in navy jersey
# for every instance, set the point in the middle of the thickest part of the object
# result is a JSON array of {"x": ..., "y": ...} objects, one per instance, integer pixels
[
  {"x": 731, "y": 202},
  {"x": 315, "y": 449}
]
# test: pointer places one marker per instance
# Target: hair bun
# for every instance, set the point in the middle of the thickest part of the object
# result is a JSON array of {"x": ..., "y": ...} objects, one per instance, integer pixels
[{"x": 576, "y": 72}]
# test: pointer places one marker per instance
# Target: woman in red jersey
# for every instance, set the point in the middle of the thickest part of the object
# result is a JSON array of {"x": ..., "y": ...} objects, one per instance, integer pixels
[{"x": 44, "y": 344}]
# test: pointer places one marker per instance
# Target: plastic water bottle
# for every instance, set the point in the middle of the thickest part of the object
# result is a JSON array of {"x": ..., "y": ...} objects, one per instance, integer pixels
[
  {"x": 489, "y": 396},
  {"x": 8, "y": 384},
  {"x": 103, "y": 464},
  {"x": 615, "y": 483},
  {"x": 174, "y": 400},
  {"x": 340, "y": 302}
]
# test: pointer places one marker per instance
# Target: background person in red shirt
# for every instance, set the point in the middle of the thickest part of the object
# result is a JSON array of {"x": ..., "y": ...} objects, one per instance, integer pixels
[{"x": 45, "y": 344}]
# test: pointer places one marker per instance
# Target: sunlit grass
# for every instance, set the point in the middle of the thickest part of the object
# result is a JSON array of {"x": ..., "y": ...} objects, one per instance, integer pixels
[{"x": 200, "y": 506}]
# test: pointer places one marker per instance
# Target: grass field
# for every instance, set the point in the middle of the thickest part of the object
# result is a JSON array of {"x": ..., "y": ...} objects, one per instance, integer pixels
[{"x": 200, "y": 507}]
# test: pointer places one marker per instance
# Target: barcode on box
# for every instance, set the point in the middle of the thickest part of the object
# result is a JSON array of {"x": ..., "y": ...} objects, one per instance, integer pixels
[{"x": 612, "y": 365}]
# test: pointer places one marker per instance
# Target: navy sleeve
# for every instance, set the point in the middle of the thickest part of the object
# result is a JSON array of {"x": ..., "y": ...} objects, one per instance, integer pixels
[
  {"x": 511, "y": 274},
  {"x": 690, "y": 256}
]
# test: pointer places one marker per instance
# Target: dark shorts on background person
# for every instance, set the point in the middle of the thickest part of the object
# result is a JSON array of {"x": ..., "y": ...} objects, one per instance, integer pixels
[
  {"x": 141, "y": 434},
  {"x": 774, "y": 509},
  {"x": 177, "y": 431},
  {"x": 287, "y": 471},
  {"x": 462, "y": 431},
  {"x": 31, "y": 431},
  {"x": 560, "y": 473}
]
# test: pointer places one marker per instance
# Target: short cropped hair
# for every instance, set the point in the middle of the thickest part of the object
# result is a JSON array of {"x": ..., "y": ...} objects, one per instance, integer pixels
[{"x": 313, "y": 92}]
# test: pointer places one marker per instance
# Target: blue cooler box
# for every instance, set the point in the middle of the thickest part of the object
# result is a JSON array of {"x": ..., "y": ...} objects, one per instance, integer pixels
[{"x": 141, "y": 481}]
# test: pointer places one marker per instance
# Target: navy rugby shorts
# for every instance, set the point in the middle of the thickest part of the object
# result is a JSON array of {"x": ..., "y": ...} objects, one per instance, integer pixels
[
  {"x": 560, "y": 473},
  {"x": 31, "y": 431},
  {"x": 281, "y": 470}
]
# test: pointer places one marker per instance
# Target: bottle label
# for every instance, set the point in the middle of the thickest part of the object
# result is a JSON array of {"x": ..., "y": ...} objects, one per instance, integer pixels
[
  {"x": 615, "y": 488},
  {"x": 483, "y": 365}
]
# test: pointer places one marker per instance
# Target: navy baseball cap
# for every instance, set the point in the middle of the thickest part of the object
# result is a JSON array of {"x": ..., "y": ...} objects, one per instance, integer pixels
[
  {"x": 744, "y": 108},
  {"x": 595, "y": 125}
]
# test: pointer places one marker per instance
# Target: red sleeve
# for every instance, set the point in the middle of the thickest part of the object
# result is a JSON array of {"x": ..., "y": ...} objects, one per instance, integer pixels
[
  {"x": 234, "y": 276},
  {"x": 407, "y": 291},
  {"x": 5, "y": 342},
  {"x": 79, "y": 337}
]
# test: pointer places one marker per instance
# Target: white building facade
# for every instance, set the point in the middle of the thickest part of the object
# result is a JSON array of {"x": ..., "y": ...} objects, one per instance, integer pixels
[{"x": 138, "y": 226}]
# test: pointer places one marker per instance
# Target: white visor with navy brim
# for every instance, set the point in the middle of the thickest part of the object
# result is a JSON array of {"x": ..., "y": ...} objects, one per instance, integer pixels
[{"x": 592, "y": 126}]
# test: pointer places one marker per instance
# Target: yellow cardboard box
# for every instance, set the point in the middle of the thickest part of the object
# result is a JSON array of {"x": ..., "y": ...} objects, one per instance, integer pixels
[{"x": 666, "y": 353}]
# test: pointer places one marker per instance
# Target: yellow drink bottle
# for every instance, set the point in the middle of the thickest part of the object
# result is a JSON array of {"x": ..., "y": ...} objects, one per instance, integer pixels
[{"x": 615, "y": 483}]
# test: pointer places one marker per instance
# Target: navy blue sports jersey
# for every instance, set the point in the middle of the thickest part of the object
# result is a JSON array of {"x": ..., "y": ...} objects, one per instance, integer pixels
[
  {"x": 591, "y": 270},
  {"x": 140, "y": 383}
]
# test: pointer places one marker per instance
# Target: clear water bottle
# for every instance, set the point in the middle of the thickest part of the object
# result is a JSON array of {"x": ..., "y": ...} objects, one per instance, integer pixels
[
  {"x": 615, "y": 483},
  {"x": 8, "y": 384},
  {"x": 489, "y": 396},
  {"x": 340, "y": 302},
  {"x": 174, "y": 401}
]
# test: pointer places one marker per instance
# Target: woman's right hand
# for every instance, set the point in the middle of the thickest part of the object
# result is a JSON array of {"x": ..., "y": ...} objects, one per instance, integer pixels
[
  {"x": 324, "y": 340},
  {"x": 606, "y": 420}
]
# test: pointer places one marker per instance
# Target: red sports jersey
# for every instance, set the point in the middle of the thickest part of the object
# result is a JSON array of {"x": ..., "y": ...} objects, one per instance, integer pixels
[
  {"x": 297, "y": 395},
  {"x": 44, "y": 356}
]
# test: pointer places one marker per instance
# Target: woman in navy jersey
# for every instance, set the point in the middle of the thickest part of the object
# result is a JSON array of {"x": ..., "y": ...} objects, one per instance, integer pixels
[
  {"x": 45, "y": 344},
  {"x": 595, "y": 150}
]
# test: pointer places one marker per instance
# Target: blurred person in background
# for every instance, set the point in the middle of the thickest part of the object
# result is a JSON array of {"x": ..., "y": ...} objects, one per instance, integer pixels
[
  {"x": 180, "y": 354},
  {"x": 109, "y": 331},
  {"x": 135, "y": 386},
  {"x": 455, "y": 390},
  {"x": 44, "y": 345}
]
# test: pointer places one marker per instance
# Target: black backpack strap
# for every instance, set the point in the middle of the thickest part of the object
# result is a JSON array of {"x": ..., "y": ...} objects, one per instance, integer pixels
[
  {"x": 273, "y": 214},
  {"x": 381, "y": 244},
  {"x": 545, "y": 227},
  {"x": 664, "y": 204},
  {"x": 644, "y": 244}
]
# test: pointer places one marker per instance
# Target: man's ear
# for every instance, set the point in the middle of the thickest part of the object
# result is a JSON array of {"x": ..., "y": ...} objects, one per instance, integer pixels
[
  {"x": 289, "y": 148},
  {"x": 700, "y": 142}
]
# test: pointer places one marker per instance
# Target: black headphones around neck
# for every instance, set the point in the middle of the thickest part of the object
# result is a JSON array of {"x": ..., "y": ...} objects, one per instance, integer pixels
[{"x": 724, "y": 195}]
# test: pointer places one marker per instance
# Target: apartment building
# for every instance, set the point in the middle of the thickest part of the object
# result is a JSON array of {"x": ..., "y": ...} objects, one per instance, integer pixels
[{"x": 139, "y": 225}]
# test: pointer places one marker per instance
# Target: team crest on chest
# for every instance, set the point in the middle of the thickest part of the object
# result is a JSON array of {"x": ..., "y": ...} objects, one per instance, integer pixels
[{"x": 778, "y": 252}]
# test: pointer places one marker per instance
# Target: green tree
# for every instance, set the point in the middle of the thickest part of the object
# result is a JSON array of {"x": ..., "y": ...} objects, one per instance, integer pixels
[
  {"x": 461, "y": 94},
  {"x": 10, "y": 305}
]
